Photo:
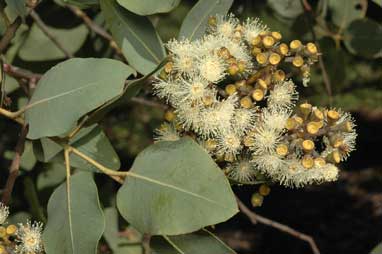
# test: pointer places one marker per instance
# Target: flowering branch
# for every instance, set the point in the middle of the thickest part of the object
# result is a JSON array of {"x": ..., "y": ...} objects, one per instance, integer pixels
[{"x": 255, "y": 218}]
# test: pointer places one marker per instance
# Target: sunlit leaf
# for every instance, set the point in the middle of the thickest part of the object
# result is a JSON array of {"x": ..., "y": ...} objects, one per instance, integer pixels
[{"x": 148, "y": 7}]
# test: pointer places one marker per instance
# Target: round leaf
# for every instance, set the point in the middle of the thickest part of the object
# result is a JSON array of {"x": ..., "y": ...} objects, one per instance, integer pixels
[
  {"x": 76, "y": 221},
  {"x": 148, "y": 7},
  {"x": 364, "y": 37},
  {"x": 345, "y": 11},
  {"x": 175, "y": 188},
  {"x": 70, "y": 90}
]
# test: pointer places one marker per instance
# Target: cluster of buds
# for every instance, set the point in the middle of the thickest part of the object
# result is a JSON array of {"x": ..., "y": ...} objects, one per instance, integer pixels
[
  {"x": 20, "y": 238},
  {"x": 230, "y": 92}
]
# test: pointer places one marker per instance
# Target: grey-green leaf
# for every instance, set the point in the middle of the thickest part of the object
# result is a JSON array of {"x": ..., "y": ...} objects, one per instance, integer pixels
[
  {"x": 70, "y": 90},
  {"x": 19, "y": 7},
  {"x": 71, "y": 39},
  {"x": 136, "y": 36},
  {"x": 118, "y": 244},
  {"x": 148, "y": 7},
  {"x": 195, "y": 23},
  {"x": 201, "y": 242},
  {"x": 289, "y": 9},
  {"x": 377, "y": 249},
  {"x": 91, "y": 141},
  {"x": 52, "y": 175},
  {"x": 364, "y": 37},
  {"x": 175, "y": 188},
  {"x": 82, "y": 3},
  {"x": 75, "y": 218},
  {"x": 343, "y": 12}
]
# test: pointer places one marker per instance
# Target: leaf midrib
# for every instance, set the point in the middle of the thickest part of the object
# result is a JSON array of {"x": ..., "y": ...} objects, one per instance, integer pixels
[{"x": 148, "y": 179}]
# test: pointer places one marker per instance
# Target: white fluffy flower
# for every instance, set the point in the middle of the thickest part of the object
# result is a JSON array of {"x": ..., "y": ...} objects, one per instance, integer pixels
[
  {"x": 217, "y": 118},
  {"x": 229, "y": 143},
  {"x": 242, "y": 171},
  {"x": 29, "y": 238},
  {"x": 268, "y": 164},
  {"x": 4, "y": 213},
  {"x": 184, "y": 55},
  {"x": 166, "y": 132},
  {"x": 189, "y": 115},
  {"x": 252, "y": 28},
  {"x": 166, "y": 90},
  {"x": 274, "y": 119},
  {"x": 238, "y": 50},
  {"x": 243, "y": 120},
  {"x": 265, "y": 140},
  {"x": 225, "y": 25},
  {"x": 283, "y": 95},
  {"x": 193, "y": 89},
  {"x": 212, "y": 68}
]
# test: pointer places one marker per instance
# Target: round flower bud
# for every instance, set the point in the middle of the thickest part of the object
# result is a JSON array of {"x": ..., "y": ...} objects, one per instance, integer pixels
[
  {"x": 230, "y": 89},
  {"x": 2, "y": 250},
  {"x": 308, "y": 145},
  {"x": 311, "y": 48},
  {"x": 268, "y": 41},
  {"x": 319, "y": 162},
  {"x": 291, "y": 124},
  {"x": 334, "y": 157},
  {"x": 305, "y": 109},
  {"x": 317, "y": 115},
  {"x": 246, "y": 102},
  {"x": 169, "y": 115},
  {"x": 256, "y": 41},
  {"x": 241, "y": 66},
  {"x": 264, "y": 190},
  {"x": 11, "y": 229},
  {"x": 261, "y": 84},
  {"x": 298, "y": 61},
  {"x": 307, "y": 162},
  {"x": 276, "y": 35},
  {"x": 212, "y": 21},
  {"x": 295, "y": 44},
  {"x": 258, "y": 94},
  {"x": 313, "y": 127},
  {"x": 240, "y": 83},
  {"x": 282, "y": 149},
  {"x": 224, "y": 53},
  {"x": 255, "y": 51},
  {"x": 261, "y": 58},
  {"x": 3, "y": 232},
  {"x": 279, "y": 75},
  {"x": 233, "y": 69},
  {"x": 274, "y": 58},
  {"x": 333, "y": 116},
  {"x": 257, "y": 200},
  {"x": 283, "y": 49}
]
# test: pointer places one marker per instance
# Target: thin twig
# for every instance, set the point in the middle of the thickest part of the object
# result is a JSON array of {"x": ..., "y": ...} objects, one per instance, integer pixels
[
  {"x": 309, "y": 14},
  {"x": 9, "y": 34},
  {"x": 96, "y": 28},
  {"x": 254, "y": 218},
  {"x": 20, "y": 73},
  {"x": 49, "y": 34},
  {"x": 146, "y": 243},
  {"x": 15, "y": 166}
]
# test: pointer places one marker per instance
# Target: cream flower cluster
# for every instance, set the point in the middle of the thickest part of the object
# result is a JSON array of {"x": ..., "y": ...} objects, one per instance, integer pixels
[
  {"x": 228, "y": 90},
  {"x": 21, "y": 238}
]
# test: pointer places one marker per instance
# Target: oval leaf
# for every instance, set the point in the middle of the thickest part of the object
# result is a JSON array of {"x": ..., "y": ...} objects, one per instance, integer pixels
[
  {"x": 140, "y": 43},
  {"x": 195, "y": 23},
  {"x": 76, "y": 221},
  {"x": 71, "y": 89},
  {"x": 148, "y": 7},
  {"x": 343, "y": 12},
  {"x": 202, "y": 242},
  {"x": 71, "y": 40},
  {"x": 364, "y": 37},
  {"x": 175, "y": 188}
]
